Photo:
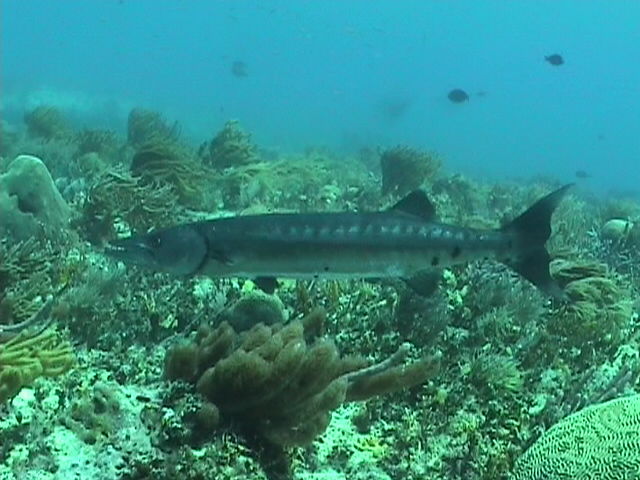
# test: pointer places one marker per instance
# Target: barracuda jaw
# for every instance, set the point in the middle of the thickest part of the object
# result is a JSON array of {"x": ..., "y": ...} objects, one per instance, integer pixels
[{"x": 179, "y": 250}]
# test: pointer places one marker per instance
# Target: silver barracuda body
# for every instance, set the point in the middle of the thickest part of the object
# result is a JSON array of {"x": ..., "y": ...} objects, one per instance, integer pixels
[{"x": 400, "y": 242}]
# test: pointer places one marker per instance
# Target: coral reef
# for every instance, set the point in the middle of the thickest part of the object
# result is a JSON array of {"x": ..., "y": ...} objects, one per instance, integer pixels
[
  {"x": 30, "y": 203},
  {"x": 513, "y": 362},
  {"x": 600, "y": 441},
  {"x": 279, "y": 382},
  {"x": 231, "y": 147},
  {"x": 405, "y": 169}
]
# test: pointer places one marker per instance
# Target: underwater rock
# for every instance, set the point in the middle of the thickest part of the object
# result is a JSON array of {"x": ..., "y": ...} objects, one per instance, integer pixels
[{"x": 30, "y": 203}]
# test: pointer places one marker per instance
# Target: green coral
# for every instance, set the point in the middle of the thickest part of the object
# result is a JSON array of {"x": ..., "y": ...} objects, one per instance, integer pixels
[
  {"x": 163, "y": 161},
  {"x": 598, "y": 442},
  {"x": 231, "y": 147},
  {"x": 405, "y": 169}
]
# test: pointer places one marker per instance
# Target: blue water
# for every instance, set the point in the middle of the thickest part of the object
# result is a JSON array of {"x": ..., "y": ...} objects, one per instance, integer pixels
[{"x": 346, "y": 74}]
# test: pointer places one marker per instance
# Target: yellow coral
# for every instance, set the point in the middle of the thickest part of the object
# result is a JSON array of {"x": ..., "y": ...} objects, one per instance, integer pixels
[{"x": 27, "y": 357}]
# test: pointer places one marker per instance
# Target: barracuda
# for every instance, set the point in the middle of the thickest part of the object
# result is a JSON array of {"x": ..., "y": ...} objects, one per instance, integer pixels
[{"x": 401, "y": 242}]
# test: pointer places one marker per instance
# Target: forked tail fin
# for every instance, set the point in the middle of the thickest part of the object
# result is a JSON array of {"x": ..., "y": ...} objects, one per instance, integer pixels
[{"x": 532, "y": 230}]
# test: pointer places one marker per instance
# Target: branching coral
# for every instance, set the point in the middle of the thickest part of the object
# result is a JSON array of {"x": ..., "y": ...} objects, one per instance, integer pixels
[
  {"x": 29, "y": 356},
  {"x": 118, "y": 196},
  {"x": 600, "y": 442},
  {"x": 165, "y": 162},
  {"x": 405, "y": 169},
  {"x": 231, "y": 147},
  {"x": 280, "y": 382}
]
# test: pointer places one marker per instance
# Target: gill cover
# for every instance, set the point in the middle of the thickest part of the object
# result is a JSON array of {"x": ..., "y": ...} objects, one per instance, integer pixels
[{"x": 179, "y": 250}]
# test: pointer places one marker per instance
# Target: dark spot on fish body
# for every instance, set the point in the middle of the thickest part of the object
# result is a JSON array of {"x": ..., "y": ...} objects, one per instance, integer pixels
[{"x": 455, "y": 253}]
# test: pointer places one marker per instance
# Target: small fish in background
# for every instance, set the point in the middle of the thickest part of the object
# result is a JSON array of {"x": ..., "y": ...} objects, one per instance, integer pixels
[
  {"x": 394, "y": 108},
  {"x": 458, "y": 95},
  {"x": 239, "y": 69},
  {"x": 555, "y": 59},
  {"x": 581, "y": 174}
]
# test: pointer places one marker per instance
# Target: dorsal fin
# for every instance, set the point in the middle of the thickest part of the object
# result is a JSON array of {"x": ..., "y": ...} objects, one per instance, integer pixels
[{"x": 417, "y": 204}]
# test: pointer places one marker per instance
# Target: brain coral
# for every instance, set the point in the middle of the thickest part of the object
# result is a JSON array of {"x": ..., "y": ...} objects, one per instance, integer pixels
[{"x": 599, "y": 442}]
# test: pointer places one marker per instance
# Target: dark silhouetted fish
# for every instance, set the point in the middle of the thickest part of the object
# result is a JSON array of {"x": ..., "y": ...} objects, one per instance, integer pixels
[
  {"x": 403, "y": 242},
  {"x": 458, "y": 95},
  {"x": 582, "y": 174},
  {"x": 555, "y": 59},
  {"x": 239, "y": 69}
]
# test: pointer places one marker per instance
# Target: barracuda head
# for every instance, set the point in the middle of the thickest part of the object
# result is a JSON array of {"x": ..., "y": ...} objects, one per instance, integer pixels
[{"x": 179, "y": 250}]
